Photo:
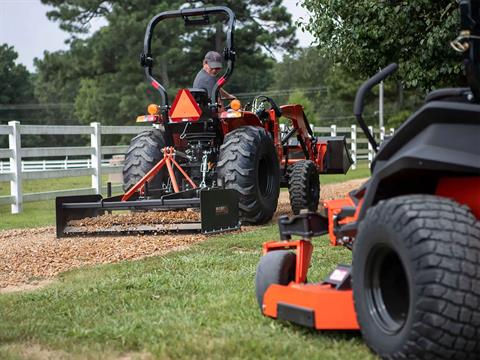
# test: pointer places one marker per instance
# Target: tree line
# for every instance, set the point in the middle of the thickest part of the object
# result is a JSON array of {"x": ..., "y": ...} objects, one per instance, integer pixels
[{"x": 99, "y": 77}]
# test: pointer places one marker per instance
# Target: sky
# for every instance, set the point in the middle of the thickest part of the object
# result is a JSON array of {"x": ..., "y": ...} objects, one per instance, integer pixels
[{"x": 24, "y": 24}]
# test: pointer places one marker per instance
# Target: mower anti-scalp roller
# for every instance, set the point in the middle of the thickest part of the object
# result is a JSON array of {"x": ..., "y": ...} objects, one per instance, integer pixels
[{"x": 218, "y": 209}]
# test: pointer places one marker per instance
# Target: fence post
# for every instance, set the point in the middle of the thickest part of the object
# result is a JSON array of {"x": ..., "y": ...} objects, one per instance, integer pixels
[
  {"x": 353, "y": 145},
  {"x": 370, "y": 148},
  {"x": 333, "y": 130},
  {"x": 96, "y": 144},
  {"x": 382, "y": 133},
  {"x": 14, "y": 143}
]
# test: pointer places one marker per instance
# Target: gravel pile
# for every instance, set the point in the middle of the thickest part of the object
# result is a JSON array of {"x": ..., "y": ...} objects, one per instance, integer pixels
[{"x": 28, "y": 255}]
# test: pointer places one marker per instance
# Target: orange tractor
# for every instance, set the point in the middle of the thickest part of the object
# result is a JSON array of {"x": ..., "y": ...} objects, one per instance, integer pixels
[
  {"x": 413, "y": 288},
  {"x": 229, "y": 162}
]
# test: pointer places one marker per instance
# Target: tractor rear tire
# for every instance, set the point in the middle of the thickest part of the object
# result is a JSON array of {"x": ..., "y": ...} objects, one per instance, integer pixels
[
  {"x": 304, "y": 186},
  {"x": 144, "y": 153},
  {"x": 416, "y": 279},
  {"x": 248, "y": 163},
  {"x": 276, "y": 267}
]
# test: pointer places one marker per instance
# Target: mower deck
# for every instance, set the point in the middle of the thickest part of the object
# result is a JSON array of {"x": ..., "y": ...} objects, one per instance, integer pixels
[{"x": 318, "y": 305}]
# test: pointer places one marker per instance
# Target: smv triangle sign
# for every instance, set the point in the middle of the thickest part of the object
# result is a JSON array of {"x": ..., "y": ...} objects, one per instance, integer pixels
[{"x": 185, "y": 107}]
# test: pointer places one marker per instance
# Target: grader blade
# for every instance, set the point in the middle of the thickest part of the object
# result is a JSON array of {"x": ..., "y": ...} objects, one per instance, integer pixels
[{"x": 205, "y": 211}]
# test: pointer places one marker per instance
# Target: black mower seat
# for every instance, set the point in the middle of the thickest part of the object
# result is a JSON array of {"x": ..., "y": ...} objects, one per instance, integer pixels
[{"x": 452, "y": 94}]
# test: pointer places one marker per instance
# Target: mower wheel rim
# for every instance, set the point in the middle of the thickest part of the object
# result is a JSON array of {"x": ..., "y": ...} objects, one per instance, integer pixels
[{"x": 387, "y": 292}]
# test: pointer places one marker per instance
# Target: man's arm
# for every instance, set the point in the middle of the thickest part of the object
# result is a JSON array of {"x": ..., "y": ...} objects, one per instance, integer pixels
[{"x": 225, "y": 95}]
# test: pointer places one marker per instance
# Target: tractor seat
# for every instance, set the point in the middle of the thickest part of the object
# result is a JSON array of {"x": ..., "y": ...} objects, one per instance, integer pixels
[
  {"x": 449, "y": 94},
  {"x": 200, "y": 96}
]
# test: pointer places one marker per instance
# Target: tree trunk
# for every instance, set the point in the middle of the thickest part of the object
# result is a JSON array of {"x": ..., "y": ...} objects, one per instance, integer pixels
[{"x": 400, "y": 99}]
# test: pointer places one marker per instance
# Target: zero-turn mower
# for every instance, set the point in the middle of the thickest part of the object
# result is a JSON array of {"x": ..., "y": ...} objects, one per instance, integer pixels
[
  {"x": 413, "y": 288},
  {"x": 228, "y": 161}
]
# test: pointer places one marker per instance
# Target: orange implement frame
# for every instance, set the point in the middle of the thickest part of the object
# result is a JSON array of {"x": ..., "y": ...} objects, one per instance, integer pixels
[
  {"x": 334, "y": 207},
  {"x": 303, "y": 249},
  {"x": 169, "y": 161},
  {"x": 324, "y": 307}
]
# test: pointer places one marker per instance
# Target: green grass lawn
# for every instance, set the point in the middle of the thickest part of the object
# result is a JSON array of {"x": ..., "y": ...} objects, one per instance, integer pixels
[
  {"x": 198, "y": 303},
  {"x": 42, "y": 213}
]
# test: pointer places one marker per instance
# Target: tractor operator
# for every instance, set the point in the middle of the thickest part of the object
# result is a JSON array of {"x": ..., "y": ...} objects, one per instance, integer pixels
[{"x": 206, "y": 77}]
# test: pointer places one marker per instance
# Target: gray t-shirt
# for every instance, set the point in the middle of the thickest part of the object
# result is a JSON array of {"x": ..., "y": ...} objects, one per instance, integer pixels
[{"x": 204, "y": 81}]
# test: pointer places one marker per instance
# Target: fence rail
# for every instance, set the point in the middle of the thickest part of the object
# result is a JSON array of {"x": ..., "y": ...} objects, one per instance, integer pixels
[
  {"x": 19, "y": 169},
  {"x": 16, "y": 168}
]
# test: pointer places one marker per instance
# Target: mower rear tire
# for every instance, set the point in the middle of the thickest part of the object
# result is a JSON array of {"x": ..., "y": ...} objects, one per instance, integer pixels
[
  {"x": 416, "y": 279},
  {"x": 304, "y": 186},
  {"x": 275, "y": 267},
  {"x": 144, "y": 153},
  {"x": 248, "y": 163}
]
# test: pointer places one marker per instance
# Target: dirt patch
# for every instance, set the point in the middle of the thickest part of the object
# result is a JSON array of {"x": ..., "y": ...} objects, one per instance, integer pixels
[
  {"x": 40, "y": 352},
  {"x": 27, "y": 254},
  {"x": 31, "y": 286}
]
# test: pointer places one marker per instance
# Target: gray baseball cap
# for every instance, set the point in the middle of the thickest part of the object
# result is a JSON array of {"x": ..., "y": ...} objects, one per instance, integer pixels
[{"x": 213, "y": 59}]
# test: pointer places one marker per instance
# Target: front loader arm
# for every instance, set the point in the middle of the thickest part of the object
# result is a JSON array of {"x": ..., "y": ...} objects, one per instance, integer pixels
[{"x": 304, "y": 131}]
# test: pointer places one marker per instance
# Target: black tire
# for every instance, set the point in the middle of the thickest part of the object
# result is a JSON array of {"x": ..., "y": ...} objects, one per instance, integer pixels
[
  {"x": 276, "y": 267},
  {"x": 304, "y": 186},
  {"x": 145, "y": 152},
  {"x": 248, "y": 163},
  {"x": 416, "y": 279}
]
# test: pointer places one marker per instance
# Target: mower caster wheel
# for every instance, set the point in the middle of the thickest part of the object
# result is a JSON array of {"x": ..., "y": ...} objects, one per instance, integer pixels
[
  {"x": 276, "y": 267},
  {"x": 416, "y": 279},
  {"x": 304, "y": 186}
]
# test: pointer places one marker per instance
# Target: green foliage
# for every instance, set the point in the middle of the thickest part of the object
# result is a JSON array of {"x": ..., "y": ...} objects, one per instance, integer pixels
[
  {"x": 397, "y": 119},
  {"x": 15, "y": 79},
  {"x": 366, "y": 35},
  {"x": 329, "y": 90},
  {"x": 307, "y": 68},
  {"x": 298, "y": 97},
  {"x": 16, "y": 88},
  {"x": 102, "y": 75}
]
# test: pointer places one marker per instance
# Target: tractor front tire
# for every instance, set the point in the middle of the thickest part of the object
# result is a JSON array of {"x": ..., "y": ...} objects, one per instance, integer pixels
[
  {"x": 144, "y": 153},
  {"x": 275, "y": 267},
  {"x": 304, "y": 186},
  {"x": 248, "y": 163},
  {"x": 416, "y": 279}
]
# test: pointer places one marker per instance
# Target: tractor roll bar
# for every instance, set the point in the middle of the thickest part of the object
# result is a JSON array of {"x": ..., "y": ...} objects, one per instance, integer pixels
[
  {"x": 146, "y": 58},
  {"x": 360, "y": 97}
]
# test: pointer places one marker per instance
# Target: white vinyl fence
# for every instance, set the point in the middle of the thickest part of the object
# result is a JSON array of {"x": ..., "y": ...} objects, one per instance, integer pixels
[{"x": 17, "y": 168}]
